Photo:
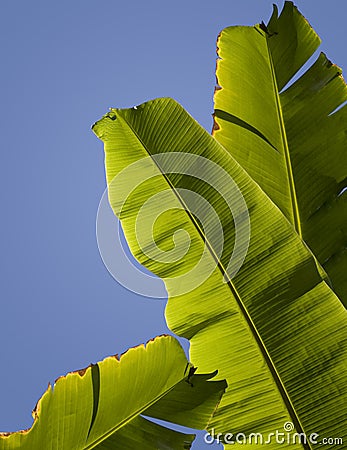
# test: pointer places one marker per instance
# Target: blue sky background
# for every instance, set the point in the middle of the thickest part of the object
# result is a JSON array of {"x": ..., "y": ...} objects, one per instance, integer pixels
[{"x": 63, "y": 65}]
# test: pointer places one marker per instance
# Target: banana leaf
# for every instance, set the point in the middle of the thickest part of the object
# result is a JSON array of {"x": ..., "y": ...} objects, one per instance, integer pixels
[
  {"x": 262, "y": 315},
  {"x": 101, "y": 406},
  {"x": 291, "y": 140}
]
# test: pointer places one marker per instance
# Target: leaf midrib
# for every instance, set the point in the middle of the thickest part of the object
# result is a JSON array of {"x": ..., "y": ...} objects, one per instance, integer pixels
[
  {"x": 287, "y": 158},
  {"x": 293, "y": 197},
  {"x": 281, "y": 388},
  {"x": 124, "y": 422}
]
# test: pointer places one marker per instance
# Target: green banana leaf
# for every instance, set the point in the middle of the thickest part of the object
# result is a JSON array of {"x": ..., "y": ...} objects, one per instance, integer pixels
[
  {"x": 290, "y": 141},
  {"x": 263, "y": 316},
  {"x": 101, "y": 406}
]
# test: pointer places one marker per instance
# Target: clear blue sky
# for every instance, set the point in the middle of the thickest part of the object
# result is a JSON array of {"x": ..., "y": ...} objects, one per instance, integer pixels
[{"x": 64, "y": 63}]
